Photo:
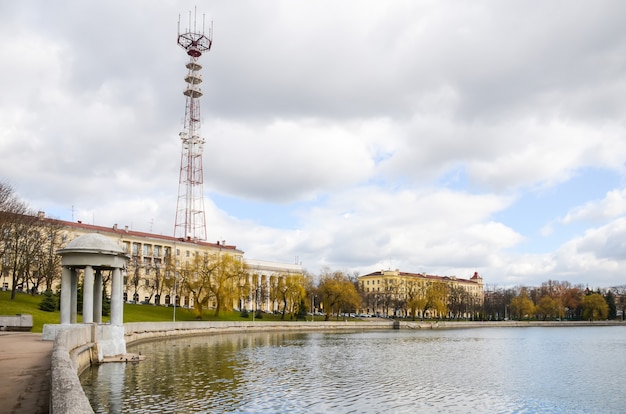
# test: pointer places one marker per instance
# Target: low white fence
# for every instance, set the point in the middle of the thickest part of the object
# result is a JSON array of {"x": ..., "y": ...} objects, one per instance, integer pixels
[{"x": 17, "y": 322}]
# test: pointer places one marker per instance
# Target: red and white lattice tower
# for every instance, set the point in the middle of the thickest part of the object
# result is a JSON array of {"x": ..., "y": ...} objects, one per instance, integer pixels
[{"x": 190, "y": 218}]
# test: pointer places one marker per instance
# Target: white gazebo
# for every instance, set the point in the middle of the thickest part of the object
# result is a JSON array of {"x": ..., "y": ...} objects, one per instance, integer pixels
[{"x": 92, "y": 254}]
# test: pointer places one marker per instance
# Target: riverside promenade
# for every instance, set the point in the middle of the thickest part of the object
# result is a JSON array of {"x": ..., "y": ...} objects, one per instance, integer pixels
[{"x": 25, "y": 373}]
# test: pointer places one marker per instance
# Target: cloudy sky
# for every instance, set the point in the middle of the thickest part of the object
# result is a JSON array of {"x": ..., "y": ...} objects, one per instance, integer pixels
[{"x": 443, "y": 137}]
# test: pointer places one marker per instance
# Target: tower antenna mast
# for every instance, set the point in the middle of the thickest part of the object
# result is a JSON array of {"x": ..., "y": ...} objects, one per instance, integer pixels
[{"x": 190, "y": 217}]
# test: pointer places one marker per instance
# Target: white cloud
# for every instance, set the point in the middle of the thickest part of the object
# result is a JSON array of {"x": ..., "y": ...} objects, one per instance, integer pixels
[
  {"x": 287, "y": 160},
  {"x": 348, "y": 114},
  {"x": 612, "y": 206},
  {"x": 366, "y": 226}
]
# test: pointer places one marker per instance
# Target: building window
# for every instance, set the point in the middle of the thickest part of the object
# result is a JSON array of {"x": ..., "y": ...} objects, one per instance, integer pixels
[
  {"x": 157, "y": 251},
  {"x": 177, "y": 252},
  {"x": 187, "y": 253},
  {"x": 135, "y": 248},
  {"x": 146, "y": 250}
]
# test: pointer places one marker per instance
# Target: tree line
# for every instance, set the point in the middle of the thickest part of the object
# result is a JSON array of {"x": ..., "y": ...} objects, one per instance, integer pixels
[
  {"x": 555, "y": 300},
  {"x": 28, "y": 245}
]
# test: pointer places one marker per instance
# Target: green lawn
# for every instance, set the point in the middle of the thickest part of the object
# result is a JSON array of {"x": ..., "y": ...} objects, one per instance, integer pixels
[{"x": 27, "y": 304}]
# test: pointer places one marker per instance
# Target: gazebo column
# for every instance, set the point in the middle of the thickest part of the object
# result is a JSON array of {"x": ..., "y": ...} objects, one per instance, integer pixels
[
  {"x": 88, "y": 295},
  {"x": 116, "y": 298},
  {"x": 97, "y": 297},
  {"x": 74, "y": 293},
  {"x": 66, "y": 295}
]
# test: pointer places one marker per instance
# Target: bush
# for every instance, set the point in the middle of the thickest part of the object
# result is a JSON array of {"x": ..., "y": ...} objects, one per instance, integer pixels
[
  {"x": 301, "y": 314},
  {"x": 244, "y": 313},
  {"x": 49, "y": 302}
]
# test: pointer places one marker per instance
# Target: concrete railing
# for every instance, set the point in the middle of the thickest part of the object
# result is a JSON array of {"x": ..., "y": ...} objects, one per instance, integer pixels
[
  {"x": 142, "y": 331},
  {"x": 17, "y": 322},
  {"x": 70, "y": 354},
  {"x": 405, "y": 324}
]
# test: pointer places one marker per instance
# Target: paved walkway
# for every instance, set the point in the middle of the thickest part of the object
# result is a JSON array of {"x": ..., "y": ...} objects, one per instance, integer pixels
[{"x": 24, "y": 373}]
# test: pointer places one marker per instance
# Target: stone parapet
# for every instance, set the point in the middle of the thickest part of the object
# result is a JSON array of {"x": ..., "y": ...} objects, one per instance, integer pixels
[
  {"x": 144, "y": 331},
  {"x": 71, "y": 346},
  {"x": 501, "y": 324},
  {"x": 19, "y": 322},
  {"x": 74, "y": 347}
]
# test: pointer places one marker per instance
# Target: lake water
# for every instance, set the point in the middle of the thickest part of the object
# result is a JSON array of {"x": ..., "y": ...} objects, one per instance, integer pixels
[{"x": 481, "y": 370}]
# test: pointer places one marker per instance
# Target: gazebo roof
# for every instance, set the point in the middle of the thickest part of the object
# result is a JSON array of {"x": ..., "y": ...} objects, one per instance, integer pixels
[
  {"x": 94, "y": 250},
  {"x": 92, "y": 242}
]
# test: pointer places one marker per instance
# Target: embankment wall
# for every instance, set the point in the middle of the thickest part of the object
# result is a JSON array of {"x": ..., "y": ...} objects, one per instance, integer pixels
[{"x": 75, "y": 348}]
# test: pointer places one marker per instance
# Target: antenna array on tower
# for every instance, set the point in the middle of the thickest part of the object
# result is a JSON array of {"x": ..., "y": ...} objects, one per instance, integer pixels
[{"x": 190, "y": 217}]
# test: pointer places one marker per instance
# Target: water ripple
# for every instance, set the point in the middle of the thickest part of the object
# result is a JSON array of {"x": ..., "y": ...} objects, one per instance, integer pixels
[{"x": 496, "y": 370}]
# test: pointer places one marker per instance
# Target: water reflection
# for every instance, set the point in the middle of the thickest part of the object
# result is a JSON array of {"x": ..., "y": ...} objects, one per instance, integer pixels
[{"x": 473, "y": 370}]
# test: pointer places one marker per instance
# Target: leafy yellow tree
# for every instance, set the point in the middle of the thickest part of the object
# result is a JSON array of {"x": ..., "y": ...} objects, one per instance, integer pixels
[
  {"x": 548, "y": 307},
  {"x": 291, "y": 290},
  {"x": 415, "y": 296},
  {"x": 338, "y": 293},
  {"x": 595, "y": 307},
  {"x": 196, "y": 278},
  {"x": 522, "y": 306},
  {"x": 435, "y": 299},
  {"x": 224, "y": 285},
  {"x": 437, "y": 295},
  {"x": 213, "y": 278}
]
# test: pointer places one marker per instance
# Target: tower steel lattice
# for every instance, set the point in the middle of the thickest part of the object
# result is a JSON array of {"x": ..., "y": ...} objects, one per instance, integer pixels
[{"x": 190, "y": 217}]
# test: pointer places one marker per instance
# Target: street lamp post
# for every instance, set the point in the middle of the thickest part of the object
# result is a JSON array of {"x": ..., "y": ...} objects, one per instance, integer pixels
[
  {"x": 256, "y": 290},
  {"x": 175, "y": 279}
]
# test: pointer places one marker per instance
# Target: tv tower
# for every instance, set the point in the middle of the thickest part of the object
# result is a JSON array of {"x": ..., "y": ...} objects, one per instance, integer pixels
[{"x": 190, "y": 218}]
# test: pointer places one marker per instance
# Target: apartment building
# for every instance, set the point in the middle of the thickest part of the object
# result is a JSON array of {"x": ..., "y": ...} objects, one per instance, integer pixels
[{"x": 387, "y": 292}]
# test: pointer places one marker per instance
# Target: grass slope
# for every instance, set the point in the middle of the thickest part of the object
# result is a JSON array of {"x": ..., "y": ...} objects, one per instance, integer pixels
[{"x": 27, "y": 304}]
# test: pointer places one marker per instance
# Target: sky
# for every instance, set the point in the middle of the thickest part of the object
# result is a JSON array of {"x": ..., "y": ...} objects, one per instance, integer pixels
[{"x": 443, "y": 137}]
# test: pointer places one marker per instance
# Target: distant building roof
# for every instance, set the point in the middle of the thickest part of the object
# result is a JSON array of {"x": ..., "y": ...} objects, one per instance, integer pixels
[
  {"x": 126, "y": 232},
  {"x": 382, "y": 273}
]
